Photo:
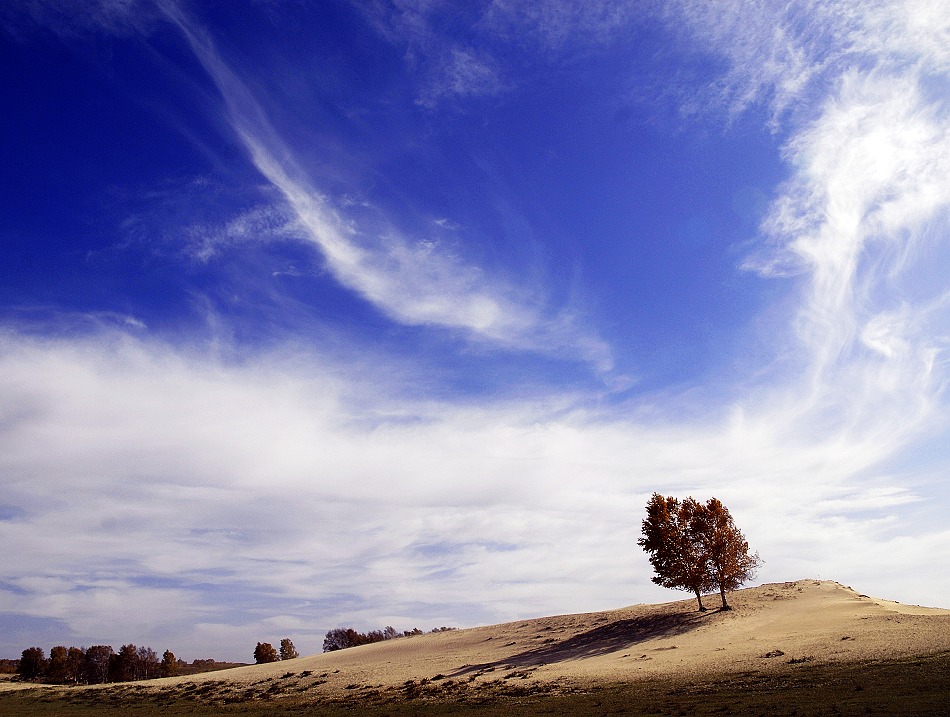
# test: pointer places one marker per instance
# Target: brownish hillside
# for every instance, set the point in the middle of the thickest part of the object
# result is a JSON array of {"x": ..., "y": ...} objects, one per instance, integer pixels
[{"x": 774, "y": 629}]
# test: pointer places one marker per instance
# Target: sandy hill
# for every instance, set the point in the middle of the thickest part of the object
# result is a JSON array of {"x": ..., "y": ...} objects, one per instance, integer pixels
[{"x": 770, "y": 626}]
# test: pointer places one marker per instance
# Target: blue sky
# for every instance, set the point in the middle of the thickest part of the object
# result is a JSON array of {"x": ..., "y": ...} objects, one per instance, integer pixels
[{"x": 369, "y": 313}]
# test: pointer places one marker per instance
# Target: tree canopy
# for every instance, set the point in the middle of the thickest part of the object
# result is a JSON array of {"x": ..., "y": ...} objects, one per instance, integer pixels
[
  {"x": 32, "y": 663},
  {"x": 169, "y": 666},
  {"x": 341, "y": 638},
  {"x": 265, "y": 652},
  {"x": 287, "y": 650},
  {"x": 696, "y": 547},
  {"x": 730, "y": 563},
  {"x": 100, "y": 663}
]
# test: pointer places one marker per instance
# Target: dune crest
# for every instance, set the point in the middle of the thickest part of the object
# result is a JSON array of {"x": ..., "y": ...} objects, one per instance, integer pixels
[{"x": 770, "y": 626}]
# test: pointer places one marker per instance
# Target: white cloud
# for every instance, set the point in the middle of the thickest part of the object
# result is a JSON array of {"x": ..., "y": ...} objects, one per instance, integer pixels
[
  {"x": 461, "y": 73},
  {"x": 284, "y": 489},
  {"x": 115, "y": 17},
  {"x": 556, "y": 23},
  {"x": 869, "y": 198},
  {"x": 144, "y": 475},
  {"x": 256, "y": 225},
  {"x": 784, "y": 55},
  {"x": 859, "y": 89},
  {"x": 446, "y": 69},
  {"x": 413, "y": 282}
]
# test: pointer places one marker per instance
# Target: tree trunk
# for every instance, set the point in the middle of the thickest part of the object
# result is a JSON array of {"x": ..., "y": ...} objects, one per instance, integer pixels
[
  {"x": 722, "y": 593},
  {"x": 699, "y": 599}
]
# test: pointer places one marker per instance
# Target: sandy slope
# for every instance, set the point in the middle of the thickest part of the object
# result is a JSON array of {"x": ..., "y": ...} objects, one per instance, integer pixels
[{"x": 770, "y": 626}]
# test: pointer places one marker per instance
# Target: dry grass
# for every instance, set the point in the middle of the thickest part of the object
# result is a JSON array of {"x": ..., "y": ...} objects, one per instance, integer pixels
[
  {"x": 912, "y": 687},
  {"x": 803, "y": 648}
]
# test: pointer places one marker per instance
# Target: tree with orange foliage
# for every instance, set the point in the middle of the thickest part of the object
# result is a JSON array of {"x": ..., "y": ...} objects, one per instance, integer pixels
[
  {"x": 696, "y": 547},
  {"x": 674, "y": 549},
  {"x": 265, "y": 652},
  {"x": 729, "y": 561}
]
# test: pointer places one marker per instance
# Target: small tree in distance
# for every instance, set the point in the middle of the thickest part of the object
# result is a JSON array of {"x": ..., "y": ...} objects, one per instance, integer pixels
[
  {"x": 96, "y": 664},
  {"x": 169, "y": 666},
  {"x": 287, "y": 649},
  {"x": 75, "y": 660},
  {"x": 57, "y": 667},
  {"x": 122, "y": 664},
  {"x": 265, "y": 652},
  {"x": 147, "y": 666},
  {"x": 341, "y": 638},
  {"x": 696, "y": 547},
  {"x": 32, "y": 663}
]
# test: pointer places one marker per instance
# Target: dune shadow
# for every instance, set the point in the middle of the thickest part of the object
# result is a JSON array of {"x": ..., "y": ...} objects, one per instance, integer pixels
[{"x": 603, "y": 640}]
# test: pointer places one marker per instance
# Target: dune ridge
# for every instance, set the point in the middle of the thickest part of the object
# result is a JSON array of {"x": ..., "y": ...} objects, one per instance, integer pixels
[
  {"x": 772, "y": 625},
  {"x": 774, "y": 632}
]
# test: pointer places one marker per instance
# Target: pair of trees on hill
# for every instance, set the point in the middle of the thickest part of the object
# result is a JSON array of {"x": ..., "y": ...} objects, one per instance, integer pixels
[
  {"x": 696, "y": 546},
  {"x": 265, "y": 652}
]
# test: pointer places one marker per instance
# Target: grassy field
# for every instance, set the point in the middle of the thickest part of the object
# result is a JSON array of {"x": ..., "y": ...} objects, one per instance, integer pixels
[{"x": 910, "y": 687}]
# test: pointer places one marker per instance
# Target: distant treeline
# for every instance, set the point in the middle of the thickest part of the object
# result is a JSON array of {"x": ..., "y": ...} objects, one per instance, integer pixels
[
  {"x": 342, "y": 637},
  {"x": 100, "y": 663}
]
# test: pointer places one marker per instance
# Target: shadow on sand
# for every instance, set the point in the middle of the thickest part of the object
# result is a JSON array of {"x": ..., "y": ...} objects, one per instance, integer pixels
[{"x": 603, "y": 640}]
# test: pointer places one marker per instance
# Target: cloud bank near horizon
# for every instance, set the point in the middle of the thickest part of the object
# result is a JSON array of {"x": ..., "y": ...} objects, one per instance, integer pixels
[
  {"x": 145, "y": 476},
  {"x": 144, "y": 479}
]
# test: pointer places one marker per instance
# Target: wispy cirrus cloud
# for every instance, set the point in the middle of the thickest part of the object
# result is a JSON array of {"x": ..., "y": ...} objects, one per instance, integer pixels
[
  {"x": 446, "y": 69},
  {"x": 461, "y": 73},
  {"x": 450, "y": 68},
  {"x": 118, "y": 17},
  {"x": 557, "y": 23},
  {"x": 413, "y": 282},
  {"x": 859, "y": 91},
  {"x": 785, "y": 55},
  {"x": 260, "y": 224}
]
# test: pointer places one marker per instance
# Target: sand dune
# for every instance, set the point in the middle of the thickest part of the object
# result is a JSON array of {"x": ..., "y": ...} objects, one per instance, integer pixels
[{"x": 771, "y": 626}]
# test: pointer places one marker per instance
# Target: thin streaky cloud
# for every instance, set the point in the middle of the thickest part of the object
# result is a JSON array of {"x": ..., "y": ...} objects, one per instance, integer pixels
[
  {"x": 115, "y": 17},
  {"x": 413, "y": 282},
  {"x": 450, "y": 70},
  {"x": 556, "y": 23},
  {"x": 262, "y": 223},
  {"x": 783, "y": 55},
  {"x": 869, "y": 191},
  {"x": 461, "y": 74}
]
